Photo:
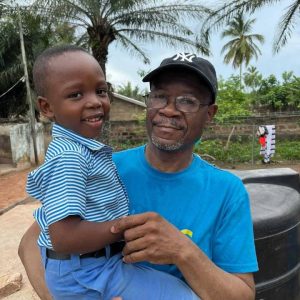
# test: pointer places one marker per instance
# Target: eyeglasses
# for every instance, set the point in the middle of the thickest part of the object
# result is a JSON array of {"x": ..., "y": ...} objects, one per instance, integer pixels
[{"x": 186, "y": 104}]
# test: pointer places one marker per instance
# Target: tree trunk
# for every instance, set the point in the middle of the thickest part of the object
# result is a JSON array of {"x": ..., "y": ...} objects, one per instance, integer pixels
[
  {"x": 99, "y": 39},
  {"x": 240, "y": 76}
]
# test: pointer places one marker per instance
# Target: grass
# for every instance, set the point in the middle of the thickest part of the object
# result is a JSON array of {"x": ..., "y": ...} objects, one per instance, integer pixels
[
  {"x": 244, "y": 151},
  {"x": 239, "y": 151},
  {"x": 125, "y": 144}
]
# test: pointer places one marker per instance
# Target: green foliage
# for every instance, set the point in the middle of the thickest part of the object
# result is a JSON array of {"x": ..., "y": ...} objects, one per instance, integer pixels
[
  {"x": 14, "y": 102},
  {"x": 132, "y": 92},
  {"x": 287, "y": 76},
  {"x": 279, "y": 96},
  {"x": 241, "y": 151},
  {"x": 252, "y": 78},
  {"x": 125, "y": 144},
  {"x": 231, "y": 100},
  {"x": 38, "y": 35},
  {"x": 238, "y": 152},
  {"x": 287, "y": 150}
]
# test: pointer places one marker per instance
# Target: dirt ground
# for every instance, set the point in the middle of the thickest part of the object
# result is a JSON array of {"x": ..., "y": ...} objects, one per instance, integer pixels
[{"x": 12, "y": 188}]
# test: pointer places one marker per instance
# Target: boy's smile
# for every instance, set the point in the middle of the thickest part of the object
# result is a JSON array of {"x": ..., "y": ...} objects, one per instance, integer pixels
[{"x": 76, "y": 93}]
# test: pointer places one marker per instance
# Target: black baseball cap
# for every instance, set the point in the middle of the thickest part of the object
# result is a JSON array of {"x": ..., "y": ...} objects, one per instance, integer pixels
[{"x": 189, "y": 61}]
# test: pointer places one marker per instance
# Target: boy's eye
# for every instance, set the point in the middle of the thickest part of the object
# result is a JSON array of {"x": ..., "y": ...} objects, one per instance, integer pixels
[
  {"x": 76, "y": 95},
  {"x": 101, "y": 92}
]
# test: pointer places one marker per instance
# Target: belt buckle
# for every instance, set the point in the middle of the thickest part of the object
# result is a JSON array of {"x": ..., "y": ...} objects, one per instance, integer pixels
[{"x": 95, "y": 254}]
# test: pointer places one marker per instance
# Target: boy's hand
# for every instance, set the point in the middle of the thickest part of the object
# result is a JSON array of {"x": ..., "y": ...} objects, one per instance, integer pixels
[{"x": 149, "y": 237}]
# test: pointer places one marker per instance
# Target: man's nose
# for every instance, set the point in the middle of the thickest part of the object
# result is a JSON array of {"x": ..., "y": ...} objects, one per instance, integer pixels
[{"x": 170, "y": 109}]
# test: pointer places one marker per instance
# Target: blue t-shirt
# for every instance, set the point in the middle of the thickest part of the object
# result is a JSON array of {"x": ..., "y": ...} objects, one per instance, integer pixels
[{"x": 209, "y": 205}]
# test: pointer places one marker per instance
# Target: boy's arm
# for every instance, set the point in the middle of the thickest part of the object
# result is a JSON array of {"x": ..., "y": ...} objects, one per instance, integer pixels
[
  {"x": 31, "y": 259},
  {"x": 74, "y": 235}
]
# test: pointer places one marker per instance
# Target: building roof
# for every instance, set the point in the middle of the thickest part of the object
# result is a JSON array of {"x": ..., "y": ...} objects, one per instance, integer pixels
[{"x": 130, "y": 100}]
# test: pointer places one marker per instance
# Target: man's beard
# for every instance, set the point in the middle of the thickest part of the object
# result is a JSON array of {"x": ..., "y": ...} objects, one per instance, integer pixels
[{"x": 166, "y": 147}]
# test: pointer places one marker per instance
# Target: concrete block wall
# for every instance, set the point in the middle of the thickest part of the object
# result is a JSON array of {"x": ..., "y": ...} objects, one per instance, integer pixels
[
  {"x": 5, "y": 148},
  {"x": 127, "y": 132},
  {"x": 121, "y": 110},
  {"x": 17, "y": 146}
]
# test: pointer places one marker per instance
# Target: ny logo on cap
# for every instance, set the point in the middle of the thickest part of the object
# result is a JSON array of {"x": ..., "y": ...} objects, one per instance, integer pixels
[{"x": 184, "y": 57}]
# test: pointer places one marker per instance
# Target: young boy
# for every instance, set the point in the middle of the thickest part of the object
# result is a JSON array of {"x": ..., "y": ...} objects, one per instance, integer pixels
[{"x": 81, "y": 192}]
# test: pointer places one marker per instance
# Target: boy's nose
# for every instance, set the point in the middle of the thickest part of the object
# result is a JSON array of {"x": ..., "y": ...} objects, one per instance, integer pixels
[{"x": 94, "y": 101}]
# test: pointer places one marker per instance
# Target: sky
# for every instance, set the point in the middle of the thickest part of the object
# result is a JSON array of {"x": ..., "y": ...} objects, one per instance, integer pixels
[{"x": 122, "y": 67}]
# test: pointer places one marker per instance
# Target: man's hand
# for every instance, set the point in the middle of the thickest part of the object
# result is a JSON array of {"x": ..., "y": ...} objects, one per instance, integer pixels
[{"x": 149, "y": 237}]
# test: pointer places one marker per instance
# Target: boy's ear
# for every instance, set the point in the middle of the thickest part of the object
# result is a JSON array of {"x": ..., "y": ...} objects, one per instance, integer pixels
[{"x": 45, "y": 107}]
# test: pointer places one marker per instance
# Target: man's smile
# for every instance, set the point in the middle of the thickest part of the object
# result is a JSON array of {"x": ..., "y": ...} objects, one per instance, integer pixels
[{"x": 168, "y": 124}]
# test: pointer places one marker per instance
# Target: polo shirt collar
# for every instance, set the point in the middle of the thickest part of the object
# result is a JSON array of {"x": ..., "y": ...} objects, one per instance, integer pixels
[{"x": 61, "y": 132}]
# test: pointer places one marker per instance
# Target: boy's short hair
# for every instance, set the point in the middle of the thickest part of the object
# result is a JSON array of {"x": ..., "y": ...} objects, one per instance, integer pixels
[{"x": 40, "y": 66}]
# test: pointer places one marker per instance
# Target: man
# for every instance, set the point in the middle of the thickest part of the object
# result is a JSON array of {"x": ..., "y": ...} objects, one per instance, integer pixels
[{"x": 188, "y": 218}]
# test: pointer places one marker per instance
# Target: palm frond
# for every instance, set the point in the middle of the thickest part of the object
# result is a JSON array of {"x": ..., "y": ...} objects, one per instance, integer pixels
[
  {"x": 133, "y": 48},
  {"x": 136, "y": 21},
  {"x": 286, "y": 26}
]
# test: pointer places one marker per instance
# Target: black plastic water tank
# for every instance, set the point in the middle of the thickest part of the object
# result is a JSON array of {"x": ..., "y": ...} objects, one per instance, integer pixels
[{"x": 275, "y": 205}]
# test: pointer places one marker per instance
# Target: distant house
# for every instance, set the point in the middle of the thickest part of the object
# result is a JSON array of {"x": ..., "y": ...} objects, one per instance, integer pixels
[{"x": 125, "y": 109}]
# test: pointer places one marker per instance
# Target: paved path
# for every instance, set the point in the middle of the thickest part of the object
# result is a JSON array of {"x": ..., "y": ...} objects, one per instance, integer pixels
[{"x": 13, "y": 224}]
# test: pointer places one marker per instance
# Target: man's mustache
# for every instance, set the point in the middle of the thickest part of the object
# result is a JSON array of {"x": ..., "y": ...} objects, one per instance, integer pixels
[{"x": 168, "y": 122}]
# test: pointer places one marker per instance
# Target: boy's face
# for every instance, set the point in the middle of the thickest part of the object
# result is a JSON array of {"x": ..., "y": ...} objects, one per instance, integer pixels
[{"x": 76, "y": 93}]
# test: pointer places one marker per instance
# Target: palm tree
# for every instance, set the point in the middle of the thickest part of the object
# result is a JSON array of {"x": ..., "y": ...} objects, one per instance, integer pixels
[
  {"x": 232, "y": 8},
  {"x": 287, "y": 76},
  {"x": 129, "y": 23},
  {"x": 252, "y": 78},
  {"x": 241, "y": 48},
  {"x": 131, "y": 91},
  {"x": 3, "y": 7}
]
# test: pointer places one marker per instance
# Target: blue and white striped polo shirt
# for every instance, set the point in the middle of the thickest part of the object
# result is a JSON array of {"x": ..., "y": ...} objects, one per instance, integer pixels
[{"x": 77, "y": 178}]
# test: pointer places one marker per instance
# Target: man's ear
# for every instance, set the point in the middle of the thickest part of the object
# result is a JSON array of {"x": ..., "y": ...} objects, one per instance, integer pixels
[
  {"x": 212, "y": 110},
  {"x": 45, "y": 107}
]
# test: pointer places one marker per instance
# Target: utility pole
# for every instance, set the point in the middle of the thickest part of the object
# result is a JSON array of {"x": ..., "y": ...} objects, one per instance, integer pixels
[{"x": 28, "y": 92}]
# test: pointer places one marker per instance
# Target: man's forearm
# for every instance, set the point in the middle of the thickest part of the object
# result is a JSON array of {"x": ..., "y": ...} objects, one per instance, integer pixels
[
  {"x": 31, "y": 259},
  {"x": 149, "y": 237},
  {"x": 210, "y": 282}
]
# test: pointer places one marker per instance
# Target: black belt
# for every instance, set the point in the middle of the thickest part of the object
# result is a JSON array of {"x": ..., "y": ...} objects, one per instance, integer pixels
[{"x": 115, "y": 248}]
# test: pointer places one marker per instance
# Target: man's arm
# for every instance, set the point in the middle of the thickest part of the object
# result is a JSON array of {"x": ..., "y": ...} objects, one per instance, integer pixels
[
  {"x": 31, "y": 259},
  {"x": 30, "y": 256},
  {"x": 151, "y": 238},
  {"x": 70, "y": 235},
  {"x": 208, "y": 280}
]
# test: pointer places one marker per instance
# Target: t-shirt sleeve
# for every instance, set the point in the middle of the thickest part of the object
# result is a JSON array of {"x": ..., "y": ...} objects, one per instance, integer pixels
[
  {"x": 234, "y": 249},
  {"x": 62, "y": 185}
]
